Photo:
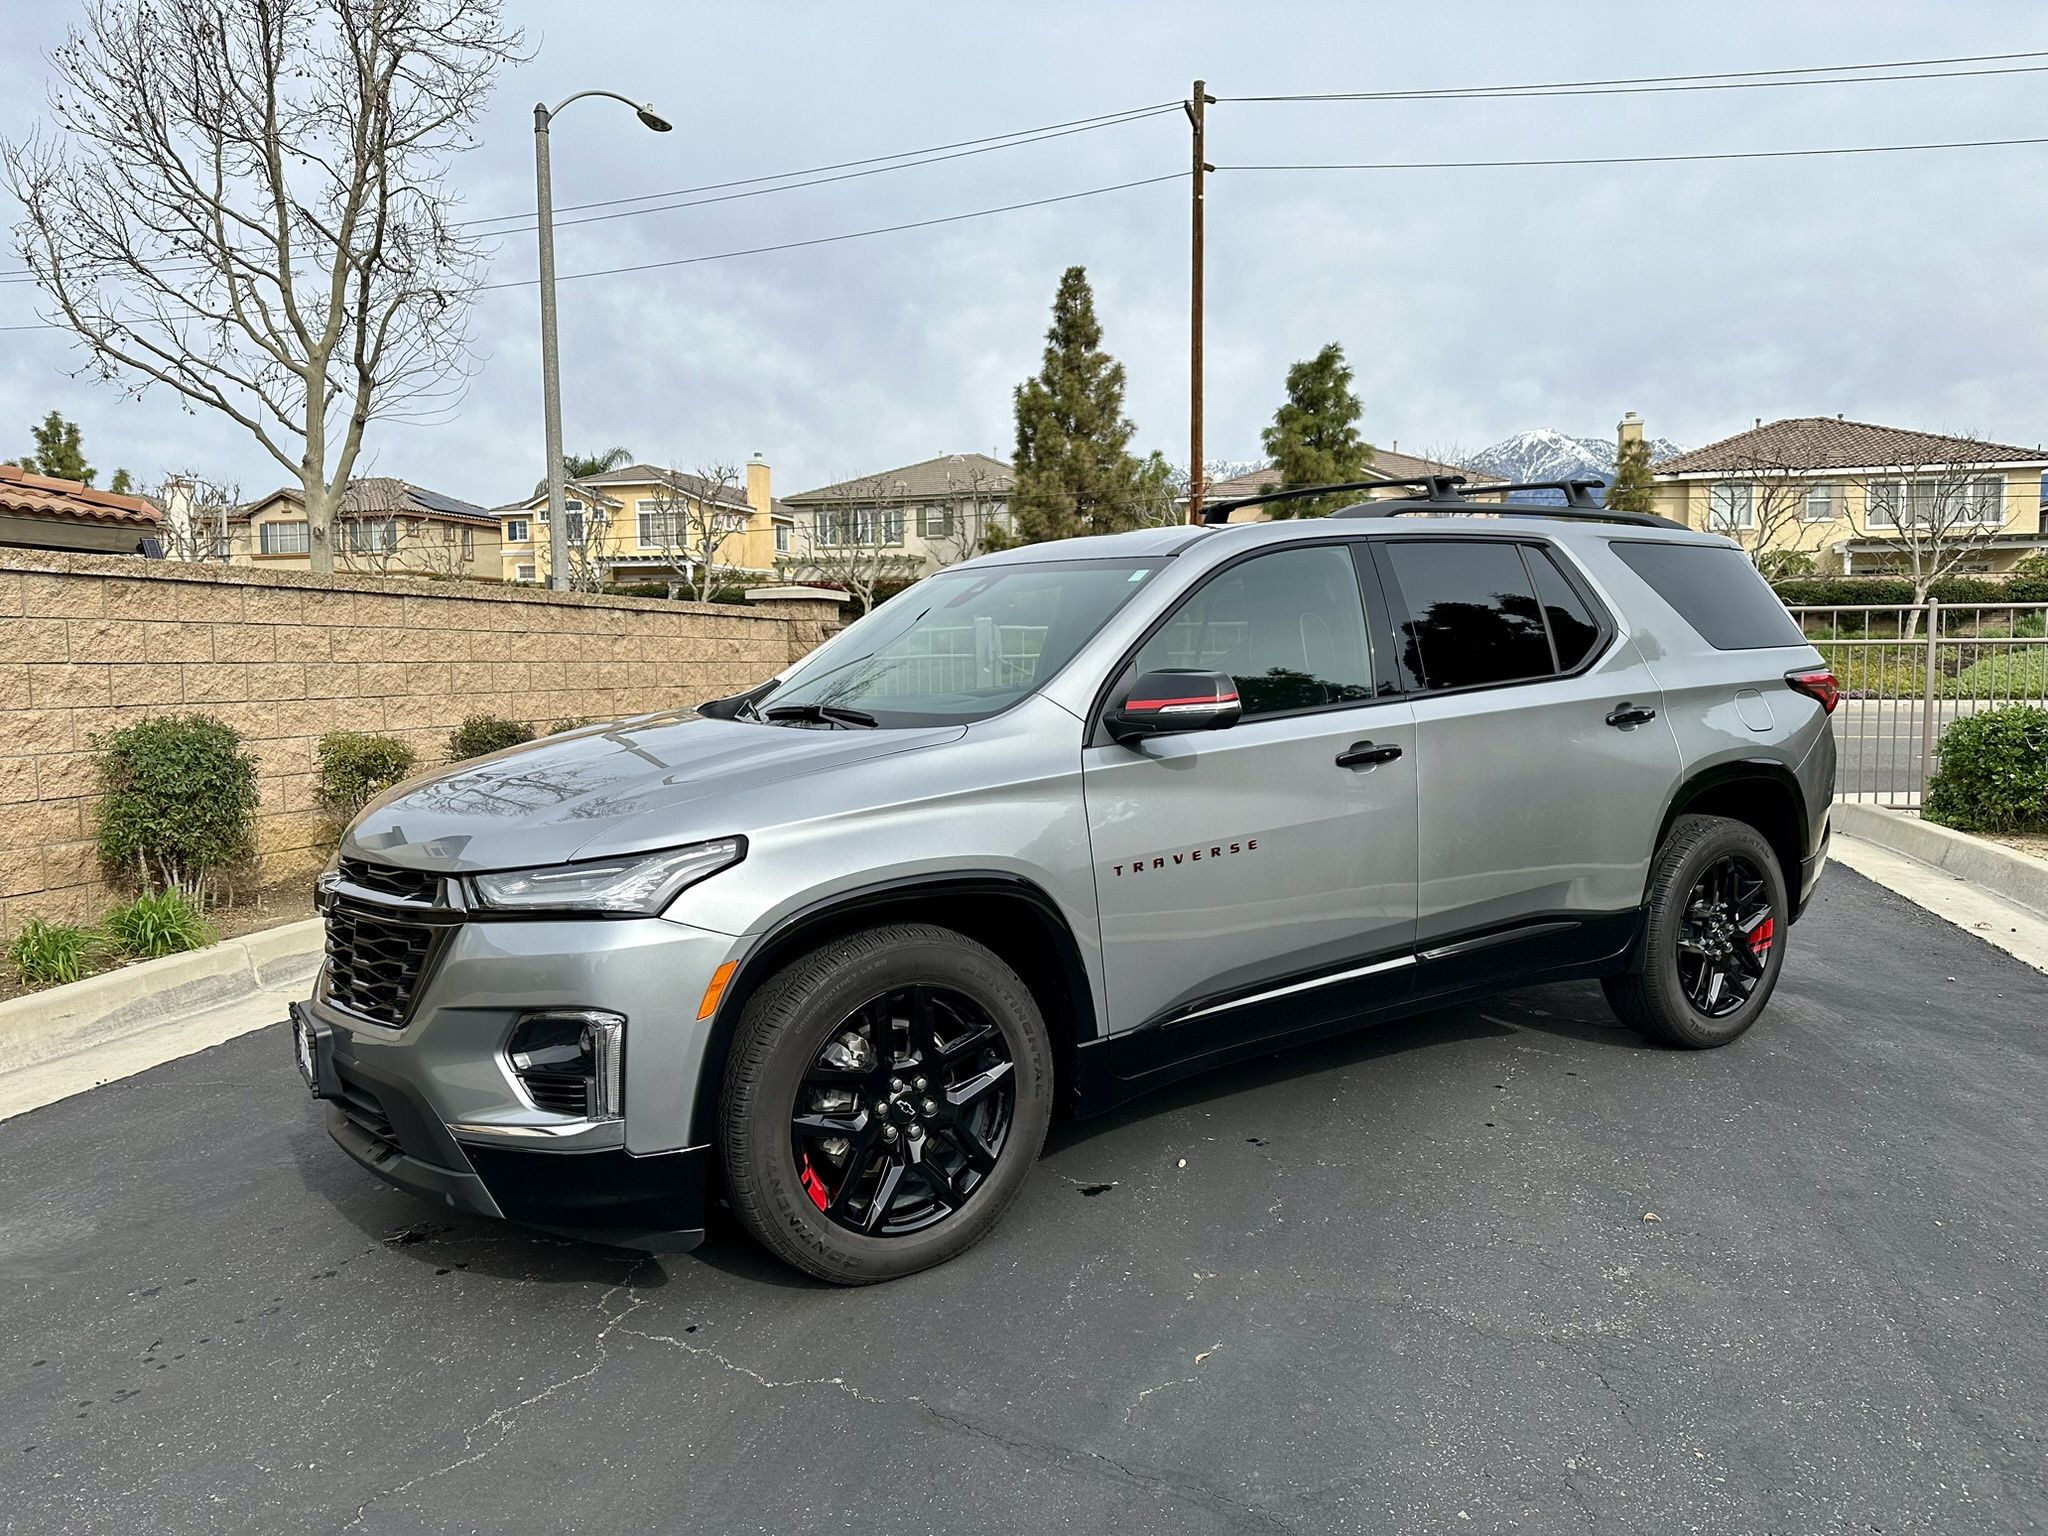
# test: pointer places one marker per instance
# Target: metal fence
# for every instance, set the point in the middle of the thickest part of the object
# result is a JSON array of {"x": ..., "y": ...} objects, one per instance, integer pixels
[
  {"x": 960, "y": 658},
  {"x": 1910, "y": 670}
]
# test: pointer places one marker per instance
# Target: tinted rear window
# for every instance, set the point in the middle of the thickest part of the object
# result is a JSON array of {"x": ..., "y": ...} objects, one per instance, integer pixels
[
  {"x": 1472, "y": 619},
  {"x": 1717, "y": 591}
]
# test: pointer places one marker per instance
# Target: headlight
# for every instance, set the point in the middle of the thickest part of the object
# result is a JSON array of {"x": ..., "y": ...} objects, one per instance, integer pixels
[{"x": 641, "y": 882}]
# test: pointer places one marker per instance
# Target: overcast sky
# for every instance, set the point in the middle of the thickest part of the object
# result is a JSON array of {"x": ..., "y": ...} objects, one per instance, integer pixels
[{"x": 1905, "y": 289}]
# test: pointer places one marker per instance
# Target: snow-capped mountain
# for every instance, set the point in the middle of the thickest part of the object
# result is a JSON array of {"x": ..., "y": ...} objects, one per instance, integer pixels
[{"x": 1543, "y": 454}]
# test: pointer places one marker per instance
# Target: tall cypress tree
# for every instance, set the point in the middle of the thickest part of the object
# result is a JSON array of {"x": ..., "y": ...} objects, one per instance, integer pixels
[
  {"x": 1632, "y": 489},
  {"x": 1314, "y": 439},
  {"x": 1075, "y": 472},
  {"x": 59, "y": 452}
]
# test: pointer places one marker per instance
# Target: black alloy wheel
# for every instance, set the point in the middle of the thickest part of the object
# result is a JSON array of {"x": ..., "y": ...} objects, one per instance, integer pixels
[
  {"x": 903, "y": 1111},
  {"x": 1725, "y": 936},
  {"x": 1714, "y": 936}
]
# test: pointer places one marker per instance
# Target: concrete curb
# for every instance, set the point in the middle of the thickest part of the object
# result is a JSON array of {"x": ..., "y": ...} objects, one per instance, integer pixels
[
  {"x": 2018, "y": 877},
  {"x": 62, "y": 1021}
]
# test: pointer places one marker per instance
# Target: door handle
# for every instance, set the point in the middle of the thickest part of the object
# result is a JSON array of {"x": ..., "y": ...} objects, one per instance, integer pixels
[
  {"x": 1363, "y": 754},
  {"x": 1630, "y": 714}
]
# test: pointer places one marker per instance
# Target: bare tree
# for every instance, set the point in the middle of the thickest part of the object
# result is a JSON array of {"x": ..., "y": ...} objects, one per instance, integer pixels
[
  {"x": 1766, "y": 506},
  {"x": 854, "y": 542},
  {"x": 197, "y": 516},
  {"x": 694, "y": 517},
  {"x": 977, "y": 516},
  {"x": 588, "y": 567},
  {"x": 1933, "y": 515},
  {"x": 242, "y": 201}
]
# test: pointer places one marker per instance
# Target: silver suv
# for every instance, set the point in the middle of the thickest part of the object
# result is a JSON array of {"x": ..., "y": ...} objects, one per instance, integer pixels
[{"x": 1050, "y": 829}]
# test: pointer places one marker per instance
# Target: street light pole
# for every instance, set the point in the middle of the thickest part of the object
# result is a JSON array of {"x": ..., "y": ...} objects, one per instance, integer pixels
[{"x": 550, "y": 357}]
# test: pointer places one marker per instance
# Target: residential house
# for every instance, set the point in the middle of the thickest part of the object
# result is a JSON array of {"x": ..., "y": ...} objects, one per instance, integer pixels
[
  {"x": 384, "y": 526},
  {"x": 645, "y": 523},
  {"x": 1387, "y": 464},
  {"x": 42, "y": 512},
  {"x": 934, "y": 512},
  {"x": 1848, "y": 492}
]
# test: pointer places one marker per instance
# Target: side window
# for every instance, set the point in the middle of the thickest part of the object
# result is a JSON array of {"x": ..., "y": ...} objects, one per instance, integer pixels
[
  {"x": 1573, "y": 629},
  {"x": 1472, "y": 615},
  {"x": 1288, "y": 626}
]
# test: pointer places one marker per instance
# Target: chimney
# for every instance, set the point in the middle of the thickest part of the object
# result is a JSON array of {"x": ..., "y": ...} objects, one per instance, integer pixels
[
  {"x": 1628, "y": 430},
  {"x": 757, "y": 485}
]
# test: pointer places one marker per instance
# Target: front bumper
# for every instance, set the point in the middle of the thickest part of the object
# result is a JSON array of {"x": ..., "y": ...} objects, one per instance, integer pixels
[{"x": 434, "y": 1108}]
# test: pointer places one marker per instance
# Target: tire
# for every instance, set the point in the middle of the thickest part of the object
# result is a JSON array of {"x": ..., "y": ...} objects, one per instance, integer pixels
[
  {"x": 849, "y": 1013},
  {"x": 1663, "y": 1000}
]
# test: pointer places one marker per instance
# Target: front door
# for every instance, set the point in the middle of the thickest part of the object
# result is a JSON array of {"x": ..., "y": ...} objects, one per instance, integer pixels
[{"x": 1249, "y": 884}]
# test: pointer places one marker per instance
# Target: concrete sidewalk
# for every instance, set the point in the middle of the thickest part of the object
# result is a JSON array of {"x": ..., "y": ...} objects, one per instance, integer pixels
[{"x": 65, "y": 1040}]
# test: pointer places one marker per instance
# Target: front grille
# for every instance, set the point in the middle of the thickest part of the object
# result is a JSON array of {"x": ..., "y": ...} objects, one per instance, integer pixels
[
  {"x": 362, "y": 1110},
  {"x": 375, "y": 962},
  {"x": 406, "y": 884}
]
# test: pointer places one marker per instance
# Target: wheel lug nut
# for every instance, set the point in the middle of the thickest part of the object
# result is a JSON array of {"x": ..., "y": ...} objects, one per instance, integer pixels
[
  {"x": 920, "y": 1085},
  {"x": 888, "y": 1133},
  {"x": 881, "y": 1108},
  {"x": 929, "y": 1107},
  {"x": 895, "y": 1085}
]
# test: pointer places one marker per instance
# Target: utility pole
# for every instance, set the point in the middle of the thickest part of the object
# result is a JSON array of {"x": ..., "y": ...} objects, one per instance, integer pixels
[{"x": 1196, "y": 108}]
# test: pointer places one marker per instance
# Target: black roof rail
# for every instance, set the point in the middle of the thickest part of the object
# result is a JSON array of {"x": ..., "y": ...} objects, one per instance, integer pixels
[
  {"x": 1435, "y": 488},
  {"x": 1580, "y": 514},
  {"x": 1577, "y": 493}
]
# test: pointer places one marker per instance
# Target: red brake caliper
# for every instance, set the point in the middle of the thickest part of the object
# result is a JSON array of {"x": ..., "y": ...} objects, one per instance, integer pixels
[
  {"x": 1760, "y": 941},
  {"x": 813, "y": 1185}
]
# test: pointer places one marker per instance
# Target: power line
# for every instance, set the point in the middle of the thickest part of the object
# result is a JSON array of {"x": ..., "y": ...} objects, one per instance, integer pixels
[
  {"x": 856, "y": 234},
  {"x": 908, "y": 159},
  {"x": 1734, "y": 79},
  {"x": 1749, "y": 154}
]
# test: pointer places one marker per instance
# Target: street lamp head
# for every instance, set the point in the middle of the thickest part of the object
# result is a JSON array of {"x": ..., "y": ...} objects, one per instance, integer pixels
[{"x": 653, "y": 120}]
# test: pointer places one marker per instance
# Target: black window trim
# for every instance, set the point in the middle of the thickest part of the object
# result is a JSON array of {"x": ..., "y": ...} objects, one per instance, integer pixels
[
  {"x": 1574, "y": 578},
  {"x": 1374, "y": 610}
]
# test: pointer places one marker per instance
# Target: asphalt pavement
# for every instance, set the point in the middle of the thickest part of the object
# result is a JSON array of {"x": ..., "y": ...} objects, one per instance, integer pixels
[{"x": 1502, "y": 1267}]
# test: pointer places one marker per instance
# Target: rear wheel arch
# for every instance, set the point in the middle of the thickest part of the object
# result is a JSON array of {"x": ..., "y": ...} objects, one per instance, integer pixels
[
  {"x": 1012, "y": 916},
  {"x": 1761, "y": 794}
]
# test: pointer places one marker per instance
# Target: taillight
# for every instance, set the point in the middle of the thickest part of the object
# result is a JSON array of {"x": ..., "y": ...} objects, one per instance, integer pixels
[{"x": 1819, "y": 686}]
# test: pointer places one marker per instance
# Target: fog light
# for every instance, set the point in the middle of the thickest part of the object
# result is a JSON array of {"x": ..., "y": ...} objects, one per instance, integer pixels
[{"x": 571, "y": 1062}]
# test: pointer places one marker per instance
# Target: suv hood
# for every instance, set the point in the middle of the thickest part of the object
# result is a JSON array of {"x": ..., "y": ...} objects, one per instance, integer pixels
[{"x": 650, "y": 782}]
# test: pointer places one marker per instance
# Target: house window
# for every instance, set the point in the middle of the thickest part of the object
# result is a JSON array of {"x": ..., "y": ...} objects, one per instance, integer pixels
[
  {"x": 659, "y": 528},
  {"x": 517, "y": 530},
  {"x": 938, "y": 522},
  {"x": 572, "y": 519},
  {"x": 284, "y": 538},
  {"x": 1937, "y": 503},
  {"x": 567, "y": 506},
  {"x": 1731, "y": 504},
  {"x": 371, "y": 535},
  {"x": 469, "y": 543},
  {"x": 522, "y": 573},
  {"x": 1823, "y": 502},
  {"x": 782, "y": 533},
  {"x": 859, "y": 526}
]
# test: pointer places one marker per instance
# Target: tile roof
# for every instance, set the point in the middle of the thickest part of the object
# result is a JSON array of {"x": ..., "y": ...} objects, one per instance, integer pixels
[
  {"x": 1829, "y": 442},
  {"x": 947, "y": 474},
  {"x": 46, "y": 496}
]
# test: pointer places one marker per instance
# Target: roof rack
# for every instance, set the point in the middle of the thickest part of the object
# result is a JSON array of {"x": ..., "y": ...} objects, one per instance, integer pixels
[
  {"x": 1435, "y": 488},
  {"x": 1577, "y": 493},
  {"x": 1581, "y": 514}
]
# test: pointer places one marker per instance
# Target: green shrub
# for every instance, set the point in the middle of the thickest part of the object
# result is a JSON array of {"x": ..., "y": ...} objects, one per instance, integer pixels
[
  {"x": 47, "y": 954},
  {"x": 1994, "y": 772},
  {"x": 166, "y": 923},
  {"x": 179, "y": 802},
  {"x": 566, "y": 723},
  {"x": 2033, "y": 565},
  {"x": 355, "y": 767},
  {"x": 483, "y": 734},
  {"x": 2021, "y": 673},
  {"x": 1784, "y": 564}
]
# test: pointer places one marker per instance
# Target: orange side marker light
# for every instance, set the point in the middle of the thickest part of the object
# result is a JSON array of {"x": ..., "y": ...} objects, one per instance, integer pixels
[{"x": 716, "y": 990}]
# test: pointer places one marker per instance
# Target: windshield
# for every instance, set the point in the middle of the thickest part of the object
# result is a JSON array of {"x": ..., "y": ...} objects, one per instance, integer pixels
[{"x": 961, "y": 645}]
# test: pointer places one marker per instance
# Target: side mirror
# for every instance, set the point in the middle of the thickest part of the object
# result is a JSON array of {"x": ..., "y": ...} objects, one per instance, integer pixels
[{"x": 1164, "y": 703}]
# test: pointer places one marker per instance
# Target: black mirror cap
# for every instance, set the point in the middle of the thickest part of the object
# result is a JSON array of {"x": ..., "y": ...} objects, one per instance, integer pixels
[{"x": 1178, "y": 699}]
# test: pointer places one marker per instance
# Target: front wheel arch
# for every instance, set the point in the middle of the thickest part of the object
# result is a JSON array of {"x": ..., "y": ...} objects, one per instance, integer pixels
[{"x": 1009, "y": 914}]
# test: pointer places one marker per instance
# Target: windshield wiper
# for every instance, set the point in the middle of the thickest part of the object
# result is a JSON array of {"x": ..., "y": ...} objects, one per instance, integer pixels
[{"x": 822, "y": 714}]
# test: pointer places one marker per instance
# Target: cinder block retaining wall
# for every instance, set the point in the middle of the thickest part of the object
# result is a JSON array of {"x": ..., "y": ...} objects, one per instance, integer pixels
[{"x": 92, "y": 642}]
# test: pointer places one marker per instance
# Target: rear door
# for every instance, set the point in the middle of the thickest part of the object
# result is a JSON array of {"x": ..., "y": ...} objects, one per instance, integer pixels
[
  {"x": 1249, "y": 883},
  {"x": 1544, "y": 760}
]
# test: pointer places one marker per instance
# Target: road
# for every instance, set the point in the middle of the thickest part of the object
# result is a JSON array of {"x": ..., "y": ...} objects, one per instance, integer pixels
[
  {"x": 1877, "y": 745},
  {"x": 1499, "y": 1268}
]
